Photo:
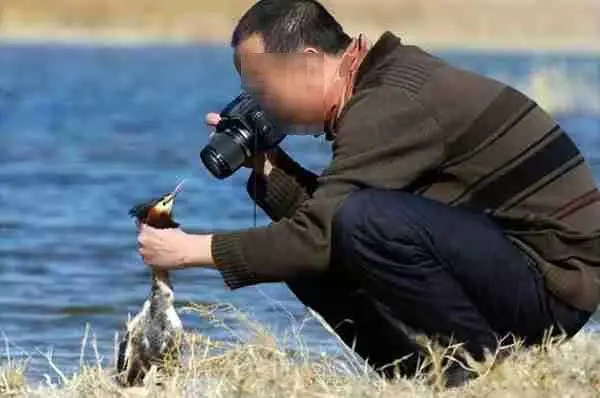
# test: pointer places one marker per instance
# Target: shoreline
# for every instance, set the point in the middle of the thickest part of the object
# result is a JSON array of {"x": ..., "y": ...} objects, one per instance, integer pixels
[
  {"x": 124, "y": 36},
  {"x": 552, "y": 26},
  {"x": 560, "y": 91},
  {"x": 259, "y": 363}
]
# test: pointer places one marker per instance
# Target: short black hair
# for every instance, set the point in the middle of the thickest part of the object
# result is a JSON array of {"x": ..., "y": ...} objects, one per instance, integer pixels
[{"x": 288, "y": 25}]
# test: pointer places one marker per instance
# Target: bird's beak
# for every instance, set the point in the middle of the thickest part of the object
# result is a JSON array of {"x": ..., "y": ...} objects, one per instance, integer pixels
[
  {"x": 170, "y": 198},
  {"x": 178, "y": 188}
]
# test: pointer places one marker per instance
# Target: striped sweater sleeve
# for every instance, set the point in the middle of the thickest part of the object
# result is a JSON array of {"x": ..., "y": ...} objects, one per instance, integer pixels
[{"x": 286, "y": 187}]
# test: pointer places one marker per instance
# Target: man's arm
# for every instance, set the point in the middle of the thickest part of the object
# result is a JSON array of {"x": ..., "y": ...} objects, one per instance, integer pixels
[
  {"x": 385, "y": 140},
  {"x": 283, "y": 187}
]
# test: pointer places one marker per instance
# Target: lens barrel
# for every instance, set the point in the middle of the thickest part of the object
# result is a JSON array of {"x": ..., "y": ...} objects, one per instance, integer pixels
[{"x": 226, "y": 152}]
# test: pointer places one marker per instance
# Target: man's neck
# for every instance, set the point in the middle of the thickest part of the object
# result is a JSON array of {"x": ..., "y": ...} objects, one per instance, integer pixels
[{"x": 347, "y": 70}]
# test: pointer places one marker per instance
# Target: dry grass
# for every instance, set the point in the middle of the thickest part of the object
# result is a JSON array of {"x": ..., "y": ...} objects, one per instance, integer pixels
[
  {"x": 258, "y": 366},
  {"x": 563, "y": 24}
]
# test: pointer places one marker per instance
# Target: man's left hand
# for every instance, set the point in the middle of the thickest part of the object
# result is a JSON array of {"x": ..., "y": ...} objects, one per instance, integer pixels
[{"x": 169, "y": 249}]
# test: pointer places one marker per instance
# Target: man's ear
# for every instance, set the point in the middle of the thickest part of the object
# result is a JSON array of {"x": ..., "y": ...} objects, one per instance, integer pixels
[
  {"x": 237, "y": 62},
  {"x": 310, "y": 50}
]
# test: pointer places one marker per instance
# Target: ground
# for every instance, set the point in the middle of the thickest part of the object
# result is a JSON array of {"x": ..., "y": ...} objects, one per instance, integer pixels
[
  {"x": 259, "y": 366},
  {"x": 487, "y": 24}
]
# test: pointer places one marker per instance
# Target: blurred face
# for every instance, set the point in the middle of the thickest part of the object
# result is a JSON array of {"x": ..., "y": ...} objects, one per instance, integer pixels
[{"x": 290, "y": 87}]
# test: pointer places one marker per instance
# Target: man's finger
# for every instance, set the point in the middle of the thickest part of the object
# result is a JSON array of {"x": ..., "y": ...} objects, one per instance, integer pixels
[
  {"x": 144, "y": 228},
  {"x": 212, "y": 119},
  {"x": 142, "y": 237},
  {"x": 143, "y": 252}
]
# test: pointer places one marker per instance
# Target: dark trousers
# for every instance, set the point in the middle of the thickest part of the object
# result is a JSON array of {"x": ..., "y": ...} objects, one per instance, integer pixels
[{"x": 400, "y": 260}]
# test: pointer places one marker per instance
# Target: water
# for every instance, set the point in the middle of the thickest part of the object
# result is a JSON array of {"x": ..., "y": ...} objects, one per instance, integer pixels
[{"x": 87, "y": 132}]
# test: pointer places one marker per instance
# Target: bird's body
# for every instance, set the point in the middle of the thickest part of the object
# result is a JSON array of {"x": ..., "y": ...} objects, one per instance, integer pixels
[{"x": 151, "y": 337}]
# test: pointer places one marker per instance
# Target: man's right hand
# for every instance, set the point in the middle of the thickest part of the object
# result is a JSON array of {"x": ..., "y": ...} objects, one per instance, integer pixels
[{"x": 262, "y": 163}]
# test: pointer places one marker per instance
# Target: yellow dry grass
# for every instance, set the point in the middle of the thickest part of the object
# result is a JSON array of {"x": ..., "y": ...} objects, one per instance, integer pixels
[
  {"x": 258, "y": 366},
  {"x": 513, "y": 24}
]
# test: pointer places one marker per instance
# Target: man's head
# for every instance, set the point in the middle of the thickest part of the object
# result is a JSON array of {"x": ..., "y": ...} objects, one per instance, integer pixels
[{"x": 289, "y": 55}]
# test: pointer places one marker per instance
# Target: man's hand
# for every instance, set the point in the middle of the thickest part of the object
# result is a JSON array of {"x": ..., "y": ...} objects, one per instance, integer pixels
[
  {"x": 262, "y": 163},
  {"x": 170, "y": 249}
]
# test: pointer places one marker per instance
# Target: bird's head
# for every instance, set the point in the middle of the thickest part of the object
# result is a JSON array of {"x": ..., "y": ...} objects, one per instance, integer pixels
[{"x": 156, "y": 209}]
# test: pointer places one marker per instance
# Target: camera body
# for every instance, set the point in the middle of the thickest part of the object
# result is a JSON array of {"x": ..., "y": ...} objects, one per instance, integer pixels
[{"x": 243, "y": 131}]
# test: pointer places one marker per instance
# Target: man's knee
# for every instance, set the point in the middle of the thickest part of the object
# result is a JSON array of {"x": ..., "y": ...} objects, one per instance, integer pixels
[
  {"x": 375, "y": 216},
  {"x": 350, "y": 214}
]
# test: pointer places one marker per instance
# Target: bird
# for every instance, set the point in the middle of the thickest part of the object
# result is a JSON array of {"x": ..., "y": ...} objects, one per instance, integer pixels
[{"x": 152, "y": 336}]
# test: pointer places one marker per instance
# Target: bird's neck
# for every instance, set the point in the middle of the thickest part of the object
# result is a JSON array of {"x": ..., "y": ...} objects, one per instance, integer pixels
[{"x": 160, "y": 220}]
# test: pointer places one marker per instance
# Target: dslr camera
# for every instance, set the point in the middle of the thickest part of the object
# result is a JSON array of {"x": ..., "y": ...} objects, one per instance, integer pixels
[{"x": 244, "y": 131}]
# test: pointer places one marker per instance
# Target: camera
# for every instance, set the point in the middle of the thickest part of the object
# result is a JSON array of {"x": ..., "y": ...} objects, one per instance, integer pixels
[{"x": 243, "y": 131}]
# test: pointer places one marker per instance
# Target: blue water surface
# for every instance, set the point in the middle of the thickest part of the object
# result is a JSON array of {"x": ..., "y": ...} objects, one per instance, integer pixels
[{"x": 86, "y": 132}]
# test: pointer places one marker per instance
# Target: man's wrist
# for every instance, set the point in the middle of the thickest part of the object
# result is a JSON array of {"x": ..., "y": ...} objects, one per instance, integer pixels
[
  {"x": 267, "y": 168},
  {"x": 268, "y": 164},
  {"x": 198, "y": 251}
]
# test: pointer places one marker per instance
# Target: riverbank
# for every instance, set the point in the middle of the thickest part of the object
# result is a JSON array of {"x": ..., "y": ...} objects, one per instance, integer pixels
[
  {"x": 258, "y": 366},
  {"x": 510, "y": 25}
]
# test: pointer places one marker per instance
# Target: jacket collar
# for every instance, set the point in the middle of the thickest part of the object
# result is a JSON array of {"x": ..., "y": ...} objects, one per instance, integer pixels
[{"x": 385, "y": 45}]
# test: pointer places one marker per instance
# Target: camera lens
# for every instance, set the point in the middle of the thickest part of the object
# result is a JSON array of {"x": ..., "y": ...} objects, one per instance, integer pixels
[
  {"x": 215, "y": 163},
  {"x": 224, "y": 155},
  {"x": 242, "y": 131}
]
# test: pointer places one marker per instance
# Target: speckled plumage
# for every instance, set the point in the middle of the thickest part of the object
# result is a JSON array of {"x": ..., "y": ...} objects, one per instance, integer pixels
[{"x": 152, "y": 335}]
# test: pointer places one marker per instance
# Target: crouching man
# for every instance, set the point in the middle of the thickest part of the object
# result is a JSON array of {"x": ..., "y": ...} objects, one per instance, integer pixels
[{"x": 453, "y": 205}]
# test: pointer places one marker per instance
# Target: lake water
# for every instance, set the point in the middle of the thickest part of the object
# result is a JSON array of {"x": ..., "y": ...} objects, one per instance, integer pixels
[{"x": 86, "y": 132}]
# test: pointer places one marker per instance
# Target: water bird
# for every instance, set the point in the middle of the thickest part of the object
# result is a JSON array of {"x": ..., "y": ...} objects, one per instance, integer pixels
[{"x": 151, "y": 337}]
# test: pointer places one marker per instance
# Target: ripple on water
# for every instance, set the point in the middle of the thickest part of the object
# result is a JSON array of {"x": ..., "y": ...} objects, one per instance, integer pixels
[{"x": 88, "y": 133}]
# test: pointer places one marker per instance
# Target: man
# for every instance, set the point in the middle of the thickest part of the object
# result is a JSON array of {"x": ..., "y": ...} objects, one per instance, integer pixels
[{"x": 453, "y": 205}]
